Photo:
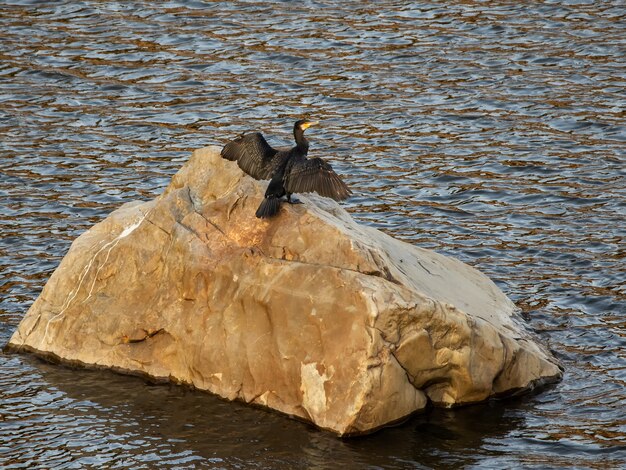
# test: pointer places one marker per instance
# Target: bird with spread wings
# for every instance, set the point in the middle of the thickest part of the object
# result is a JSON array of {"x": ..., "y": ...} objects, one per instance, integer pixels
[{"x": 289, "y": 170}]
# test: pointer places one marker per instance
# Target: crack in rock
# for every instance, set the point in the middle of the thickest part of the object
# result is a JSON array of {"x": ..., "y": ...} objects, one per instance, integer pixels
[{"x": 148, "y": 334}]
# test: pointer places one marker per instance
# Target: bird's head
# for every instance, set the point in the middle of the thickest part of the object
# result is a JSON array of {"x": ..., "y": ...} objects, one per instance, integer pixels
[{"x": 304, "y": 124}]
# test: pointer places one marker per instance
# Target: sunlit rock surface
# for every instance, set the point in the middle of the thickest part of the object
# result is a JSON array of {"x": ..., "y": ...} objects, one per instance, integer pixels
[{"x": 307, "y": 313}]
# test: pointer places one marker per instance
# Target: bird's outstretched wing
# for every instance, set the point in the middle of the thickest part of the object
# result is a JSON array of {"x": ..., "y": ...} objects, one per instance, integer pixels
[
  {"x": 315, "y": 175},
  {"x": 252, "y": 153}
]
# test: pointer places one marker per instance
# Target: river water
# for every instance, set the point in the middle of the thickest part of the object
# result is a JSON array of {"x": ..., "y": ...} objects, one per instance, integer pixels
[{"x": 489, "y": 131}]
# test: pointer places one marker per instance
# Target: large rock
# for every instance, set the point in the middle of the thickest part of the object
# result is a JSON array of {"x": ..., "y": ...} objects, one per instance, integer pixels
[{"x": 308, "y": 313}]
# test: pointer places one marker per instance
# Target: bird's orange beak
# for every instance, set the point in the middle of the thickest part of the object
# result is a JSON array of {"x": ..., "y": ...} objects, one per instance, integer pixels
[{"x": 308, "y": 124}]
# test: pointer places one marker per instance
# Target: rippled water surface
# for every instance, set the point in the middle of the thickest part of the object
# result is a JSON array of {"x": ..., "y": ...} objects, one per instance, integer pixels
[{"x": 489, "y": 131}]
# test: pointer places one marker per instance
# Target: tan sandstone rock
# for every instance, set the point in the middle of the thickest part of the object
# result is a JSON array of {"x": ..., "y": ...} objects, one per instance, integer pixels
[{"x": 308, "y": 313}]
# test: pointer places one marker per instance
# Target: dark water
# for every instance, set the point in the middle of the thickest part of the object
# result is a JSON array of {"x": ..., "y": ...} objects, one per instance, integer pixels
[{"x": 492, "y": 132}]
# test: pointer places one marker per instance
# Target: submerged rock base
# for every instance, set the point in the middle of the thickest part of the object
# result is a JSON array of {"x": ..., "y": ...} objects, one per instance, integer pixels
[{"x": 308, "y": 313}]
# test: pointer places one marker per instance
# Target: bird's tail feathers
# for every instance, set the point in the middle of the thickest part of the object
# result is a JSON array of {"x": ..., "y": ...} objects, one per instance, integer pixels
[{"x": 268, "y": 208}]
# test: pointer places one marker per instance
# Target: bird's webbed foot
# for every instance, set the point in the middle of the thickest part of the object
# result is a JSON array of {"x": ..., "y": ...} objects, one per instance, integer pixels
[{"x": 294, "y": 200}]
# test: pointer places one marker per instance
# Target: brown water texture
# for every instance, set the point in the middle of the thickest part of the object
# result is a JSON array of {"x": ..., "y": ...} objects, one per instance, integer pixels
[{"x": 490, "y": 131}]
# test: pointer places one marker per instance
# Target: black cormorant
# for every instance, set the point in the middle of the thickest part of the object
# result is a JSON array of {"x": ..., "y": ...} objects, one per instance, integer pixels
[{"x": 289, "y": 170}]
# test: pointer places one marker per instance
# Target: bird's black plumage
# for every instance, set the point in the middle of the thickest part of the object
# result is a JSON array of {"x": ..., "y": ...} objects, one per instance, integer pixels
[{"x": 289, "y": 170}]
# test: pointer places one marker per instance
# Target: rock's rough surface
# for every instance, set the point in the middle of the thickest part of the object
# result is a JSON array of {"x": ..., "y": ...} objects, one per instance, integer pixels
[{"x": 307, "y": 313}]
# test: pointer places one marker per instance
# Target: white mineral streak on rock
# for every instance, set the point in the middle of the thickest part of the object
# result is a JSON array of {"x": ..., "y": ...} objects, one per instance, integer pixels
[
  {"x": 308, "y": 313},
  {"x": 110, "y": 245}
]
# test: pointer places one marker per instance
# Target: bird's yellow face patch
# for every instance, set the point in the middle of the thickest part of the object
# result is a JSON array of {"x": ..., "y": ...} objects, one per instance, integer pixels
[{"x": 307, "y": 124}]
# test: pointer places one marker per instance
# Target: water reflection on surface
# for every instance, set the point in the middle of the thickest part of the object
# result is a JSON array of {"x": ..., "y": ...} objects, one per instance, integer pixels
[{"x": 491, "y": 132}]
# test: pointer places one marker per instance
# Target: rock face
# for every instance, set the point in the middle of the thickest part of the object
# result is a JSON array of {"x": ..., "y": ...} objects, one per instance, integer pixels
[{"x": 307, "y": 313}]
